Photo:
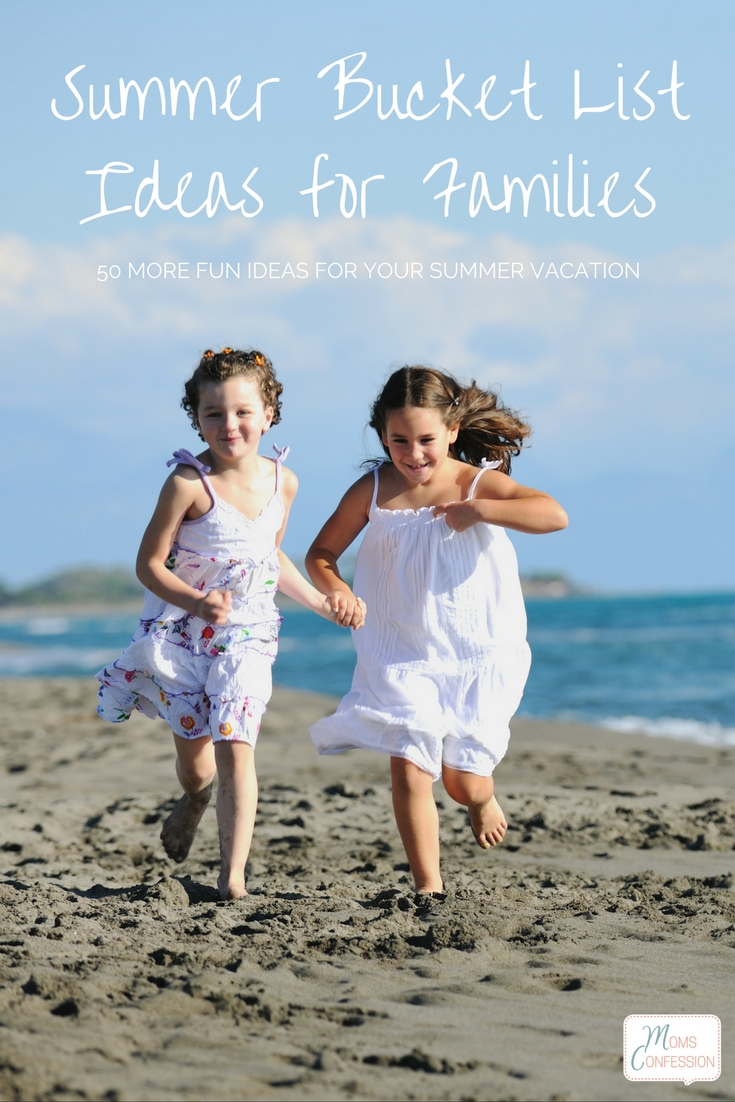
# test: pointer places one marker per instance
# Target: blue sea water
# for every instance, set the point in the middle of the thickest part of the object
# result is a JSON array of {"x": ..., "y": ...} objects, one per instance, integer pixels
[{"x": 662, "y": 665}]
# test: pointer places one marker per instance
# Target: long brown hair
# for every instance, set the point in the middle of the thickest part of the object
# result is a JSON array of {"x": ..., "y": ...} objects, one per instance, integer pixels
[
  {"x": 215, "y": 367},
  {"x": 487, "y": 428}
]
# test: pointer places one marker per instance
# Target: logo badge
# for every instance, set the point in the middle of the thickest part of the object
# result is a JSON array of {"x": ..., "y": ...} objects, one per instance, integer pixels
[{"x": 664, "y": 1048}]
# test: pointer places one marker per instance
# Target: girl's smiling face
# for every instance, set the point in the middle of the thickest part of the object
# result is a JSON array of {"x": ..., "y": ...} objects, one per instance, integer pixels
[
  {"x": 418, "y": 441},
  {"x": 232, "y": 417}
]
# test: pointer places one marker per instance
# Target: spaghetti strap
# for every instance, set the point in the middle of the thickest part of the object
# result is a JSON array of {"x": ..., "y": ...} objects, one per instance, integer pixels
[
  {"x": 376, "y": 478},
  {"x": 281, "y": 454},
  {"x": 485, "y": 465},
  {"x": 186, "y": 459}
]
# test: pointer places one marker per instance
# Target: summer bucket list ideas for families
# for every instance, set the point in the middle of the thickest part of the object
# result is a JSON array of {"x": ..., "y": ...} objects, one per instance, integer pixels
[{"x": 567, "y": 187}]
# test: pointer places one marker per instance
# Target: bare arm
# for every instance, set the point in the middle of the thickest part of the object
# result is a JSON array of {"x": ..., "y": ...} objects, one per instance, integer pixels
[
  {"x": 342, "y": 528},
  {"x": 178, "y": 495},
  {"x": 295, "y": 585},
  {"x": 503, "y": 501}
]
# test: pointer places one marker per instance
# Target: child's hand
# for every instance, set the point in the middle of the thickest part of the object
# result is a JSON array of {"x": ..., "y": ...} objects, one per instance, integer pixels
[
  {"x": 358, "y": 616},
  {"x": 345, "y": 609},
  {"x": 215, "y": 607},
  {"x": 459, "y": 515}
]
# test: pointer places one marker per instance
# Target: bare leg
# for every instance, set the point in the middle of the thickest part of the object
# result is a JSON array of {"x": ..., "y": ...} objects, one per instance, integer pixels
[
  {"x": 476, "y": 793},
  {"x": 418, "y": 822},
  {"x": 195, "y": 769},
  {"x": 237, "y": 802}
]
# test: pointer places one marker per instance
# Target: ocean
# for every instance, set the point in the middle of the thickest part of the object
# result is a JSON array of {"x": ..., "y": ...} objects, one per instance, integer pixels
[{"x": 657, "y": 664}]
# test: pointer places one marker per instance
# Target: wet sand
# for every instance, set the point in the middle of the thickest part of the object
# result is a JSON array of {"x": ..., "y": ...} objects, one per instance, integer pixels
[{"x": 123, "y": 977}]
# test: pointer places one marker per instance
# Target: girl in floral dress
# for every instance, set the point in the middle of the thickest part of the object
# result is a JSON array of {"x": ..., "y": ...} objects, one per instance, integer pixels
[{"x": 211, "y": 564}]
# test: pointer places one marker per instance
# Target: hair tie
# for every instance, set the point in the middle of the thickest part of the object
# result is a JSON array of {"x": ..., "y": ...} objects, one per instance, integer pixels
[
  {"x": 259, "y": 360},
  {"x": 226, "y": 351},
  {"x": 208, "y": 354}
]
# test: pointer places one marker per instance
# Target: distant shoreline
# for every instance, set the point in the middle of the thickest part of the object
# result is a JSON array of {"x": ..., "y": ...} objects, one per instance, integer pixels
[
  {"x": 76, "y": 610},
  {"x": 85, "y": 591},
  {"x": 532, "y": 591}
]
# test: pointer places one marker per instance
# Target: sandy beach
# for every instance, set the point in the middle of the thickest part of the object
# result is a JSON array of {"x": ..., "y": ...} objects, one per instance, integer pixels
[{"x": 123, "y": 977}]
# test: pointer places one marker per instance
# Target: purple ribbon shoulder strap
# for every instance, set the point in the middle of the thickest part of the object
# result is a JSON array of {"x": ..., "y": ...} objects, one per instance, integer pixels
[{"x": 188, "y": 460}]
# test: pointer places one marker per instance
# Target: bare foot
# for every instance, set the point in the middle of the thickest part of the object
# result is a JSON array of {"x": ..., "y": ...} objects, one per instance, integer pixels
[
  {"x": 431, "y": 887},
  {"x": 425, "y": 899},
  {"x": 488, "y": 823},
  {"x": 178, "y": 831},
  {"x": 231, "y": 889}
]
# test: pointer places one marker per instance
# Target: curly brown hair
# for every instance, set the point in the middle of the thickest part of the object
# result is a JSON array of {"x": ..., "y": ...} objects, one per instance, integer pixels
[
  {"x": 487, "y": 428},
  {"x": 215, "y": 367}
]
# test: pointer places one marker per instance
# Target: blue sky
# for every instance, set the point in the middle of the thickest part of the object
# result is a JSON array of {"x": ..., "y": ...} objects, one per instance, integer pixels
[{"x": 627, "y": 382}]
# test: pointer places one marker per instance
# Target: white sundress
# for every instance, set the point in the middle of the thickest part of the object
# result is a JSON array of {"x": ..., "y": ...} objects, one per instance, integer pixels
[
  {"x": 207, "y": 680},
  {"x": 442, "y": 660}
]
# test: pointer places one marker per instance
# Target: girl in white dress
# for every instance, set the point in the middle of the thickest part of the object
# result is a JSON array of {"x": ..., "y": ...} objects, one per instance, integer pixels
[
  {"x": 211, "y": 563},
  {"x": 443, "y": 659}
]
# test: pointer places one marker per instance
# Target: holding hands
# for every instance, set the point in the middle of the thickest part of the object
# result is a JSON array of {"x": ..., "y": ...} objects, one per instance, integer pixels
[
  {"x": 342, "y": 607},
  {"x": 345, "y": 608}
]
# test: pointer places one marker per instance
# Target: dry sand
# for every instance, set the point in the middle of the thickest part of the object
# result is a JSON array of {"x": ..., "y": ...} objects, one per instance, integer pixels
[{"x": 123, "y": 977}]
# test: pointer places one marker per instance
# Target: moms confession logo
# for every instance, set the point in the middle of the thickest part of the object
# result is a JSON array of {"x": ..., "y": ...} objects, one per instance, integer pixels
[{"x": 672, "y": 1047}]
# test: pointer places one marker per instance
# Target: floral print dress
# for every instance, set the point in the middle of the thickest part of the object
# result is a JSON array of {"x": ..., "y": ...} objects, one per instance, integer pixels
[{"x": 207, "y": 680}]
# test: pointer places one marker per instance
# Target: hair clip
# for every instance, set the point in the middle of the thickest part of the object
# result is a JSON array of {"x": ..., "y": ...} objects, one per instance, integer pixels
[
  {"x": 259, "y": 360},
  {"x": 455, "y": 402},
  {"x": 208, "y": 354},
  {"x": 226, "y": 351}
]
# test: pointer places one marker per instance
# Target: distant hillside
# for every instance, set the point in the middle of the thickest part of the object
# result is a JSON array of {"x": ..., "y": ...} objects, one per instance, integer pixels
[
  {"x": 81, "y": 586},
  {"x": 94, "y": 585},
  {"x": 552, "y": 585}
]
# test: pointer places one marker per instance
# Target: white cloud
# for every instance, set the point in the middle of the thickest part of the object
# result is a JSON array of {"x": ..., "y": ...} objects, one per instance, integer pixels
[{"x": 607, "y": 363}]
